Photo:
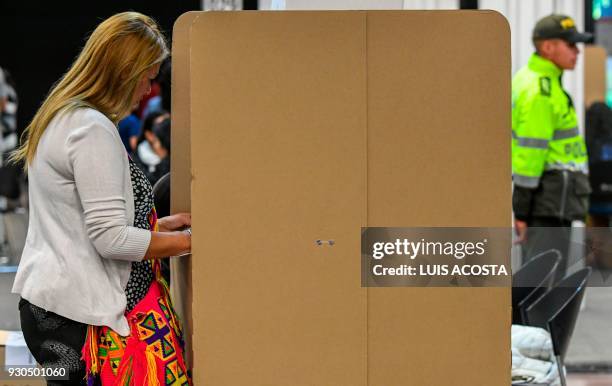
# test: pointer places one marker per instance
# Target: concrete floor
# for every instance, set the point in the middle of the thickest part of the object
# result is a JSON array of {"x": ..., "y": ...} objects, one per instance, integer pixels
[
  {"x": 13, "y": 227},
  {"x": 590, "y": 350},
  {"x": 589, "y": 380},
  {"x": 591, "y": 345}
]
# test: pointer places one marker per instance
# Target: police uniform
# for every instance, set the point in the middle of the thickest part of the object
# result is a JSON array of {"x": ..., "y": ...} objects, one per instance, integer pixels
[{"x": 549, "y": 157}]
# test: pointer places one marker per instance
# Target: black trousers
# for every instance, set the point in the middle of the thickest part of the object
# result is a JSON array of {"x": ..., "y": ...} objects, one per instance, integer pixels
[
  {"x": 545, "y": 233},
  {"x": 54, "y": 341}
]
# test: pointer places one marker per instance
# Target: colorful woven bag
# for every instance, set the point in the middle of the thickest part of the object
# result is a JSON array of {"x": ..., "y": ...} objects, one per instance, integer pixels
[{"x": 153, "y": 353}]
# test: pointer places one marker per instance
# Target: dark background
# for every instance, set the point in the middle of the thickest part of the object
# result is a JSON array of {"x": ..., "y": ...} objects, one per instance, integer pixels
[{"x": 40, "y": 39}]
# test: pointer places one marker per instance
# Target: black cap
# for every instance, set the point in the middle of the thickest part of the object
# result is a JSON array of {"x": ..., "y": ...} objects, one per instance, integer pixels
[{"x": 559, "y": 27}]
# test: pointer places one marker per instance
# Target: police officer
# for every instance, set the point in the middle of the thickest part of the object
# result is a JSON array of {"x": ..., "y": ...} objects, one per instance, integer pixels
[{"x": 549, "y": 158}]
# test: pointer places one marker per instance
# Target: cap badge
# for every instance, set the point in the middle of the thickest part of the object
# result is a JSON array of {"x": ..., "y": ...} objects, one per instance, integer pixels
[{"x": 567, "y": 23}]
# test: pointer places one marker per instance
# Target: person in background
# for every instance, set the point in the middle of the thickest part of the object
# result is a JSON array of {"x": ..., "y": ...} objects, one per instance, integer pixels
[
  {"x": 89, "y": 277},
  {"x": 129, "y": 129},
  {"x": 161, "y": 147},
  {"x": 549, "y": 158},
  {"x": 3, "y": 94},
  {"x": 598, "y": 135},
  {"x": 10, "y": 175},
  {"x": 8, "y": 113},
  {"x": 145, "y": 157},
  {"x": 145, "y": 100},
  {"x": 161, "y": 102}
]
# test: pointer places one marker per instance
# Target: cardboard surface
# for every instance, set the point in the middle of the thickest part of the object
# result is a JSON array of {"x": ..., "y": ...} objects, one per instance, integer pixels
[
  {"x": 594, "y": 74},
  {"x": 269, "y": 180},
  {"x": 307, "y": 126},
  {"x": 439, "y": 156},
  {"x": 180, "y": 268}
]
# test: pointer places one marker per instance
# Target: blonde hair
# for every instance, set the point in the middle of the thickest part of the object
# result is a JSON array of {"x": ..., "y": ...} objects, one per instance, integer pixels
[{"x": 104, "y": 76}]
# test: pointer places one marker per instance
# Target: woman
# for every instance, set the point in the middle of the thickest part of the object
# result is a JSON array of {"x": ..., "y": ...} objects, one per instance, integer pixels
[{"x": 93, "y": 300}]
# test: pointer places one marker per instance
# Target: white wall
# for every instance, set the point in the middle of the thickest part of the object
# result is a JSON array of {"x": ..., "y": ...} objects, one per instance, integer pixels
[
  {"x": 331, "y": 4},
  {"x": 358, "y": 4},
  {"x": 431, "y": 4},
  {"x": 522, "y": 16},
  {"x": 221, "y": 5}
]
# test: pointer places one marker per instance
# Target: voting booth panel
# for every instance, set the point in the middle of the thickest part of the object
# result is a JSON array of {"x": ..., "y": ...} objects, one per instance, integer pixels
[
  {"x": 595, "y": 84},
  {"x": 180, "y": 185},
  {"x": 438, "y": 156},
  {"x": 270, "y": 180},
  {"x": 304, "y": 127}
]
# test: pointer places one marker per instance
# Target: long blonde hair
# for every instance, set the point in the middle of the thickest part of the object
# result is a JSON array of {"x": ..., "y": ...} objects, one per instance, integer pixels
[{"x": 104, "y": 76}]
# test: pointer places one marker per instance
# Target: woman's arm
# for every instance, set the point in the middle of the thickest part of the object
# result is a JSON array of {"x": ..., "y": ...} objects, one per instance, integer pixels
[
  {"x": 164, "y": 244},
  {"x": 99, "y": 166}
]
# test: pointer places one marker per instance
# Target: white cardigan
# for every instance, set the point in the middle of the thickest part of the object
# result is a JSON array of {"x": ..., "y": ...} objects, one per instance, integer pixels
[{"x": 81, "y": 242}]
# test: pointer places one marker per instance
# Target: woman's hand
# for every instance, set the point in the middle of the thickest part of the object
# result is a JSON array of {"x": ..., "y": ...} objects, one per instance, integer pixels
[{"x": 174, "y": 222}]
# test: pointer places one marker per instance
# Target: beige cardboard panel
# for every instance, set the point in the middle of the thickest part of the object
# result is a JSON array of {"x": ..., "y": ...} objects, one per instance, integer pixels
[
  {"x": 259, "y": 333},
  {"x": 181, "y": 103},
  {"x": 438, "y": 124},
  {"x": 594, "y": 74},
  {"x": 438, "y": 155},
  {"x": 278, "y": 145},
  {"x": 180, "y": 268}
]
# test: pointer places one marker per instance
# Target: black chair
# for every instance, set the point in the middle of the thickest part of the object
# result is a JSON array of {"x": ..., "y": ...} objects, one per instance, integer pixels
[
  {"x": 557, "y": 311},
  {"x": 532, "y": 281},
  {"x": 161, "y": 198},
  {"x": 161, "y": 195}
]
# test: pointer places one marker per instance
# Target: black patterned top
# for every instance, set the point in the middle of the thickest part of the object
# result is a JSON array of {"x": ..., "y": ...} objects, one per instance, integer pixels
[{"x": 141, "y": 276}]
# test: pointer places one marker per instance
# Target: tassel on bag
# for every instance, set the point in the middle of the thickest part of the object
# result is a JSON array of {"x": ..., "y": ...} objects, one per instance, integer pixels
[
  {"x": 151, "y": 379},
  {"x": 89, "y": 355},
  {"x": 124, "y": 376},
  {"x": 138, "y": 367}
]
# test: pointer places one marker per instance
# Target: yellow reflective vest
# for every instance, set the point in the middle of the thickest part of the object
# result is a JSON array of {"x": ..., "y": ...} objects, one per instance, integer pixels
[{"x": 549, "y": 157}]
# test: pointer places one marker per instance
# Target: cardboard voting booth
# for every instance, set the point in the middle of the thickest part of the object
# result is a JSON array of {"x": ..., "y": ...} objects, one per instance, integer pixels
[
  {"x": 292, "y": 127},
  {"x": 595, "y": 84}
]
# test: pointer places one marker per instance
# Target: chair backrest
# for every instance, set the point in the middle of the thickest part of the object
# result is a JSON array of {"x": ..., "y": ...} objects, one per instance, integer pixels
[
  {"x": 161, "y": 196},
  {"x": 532, "y": 281},
  {"x": 557, "y": 310}
]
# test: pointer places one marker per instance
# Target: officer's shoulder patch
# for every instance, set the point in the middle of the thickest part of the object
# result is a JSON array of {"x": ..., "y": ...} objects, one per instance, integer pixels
[{"x": 545, "y": 86}]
